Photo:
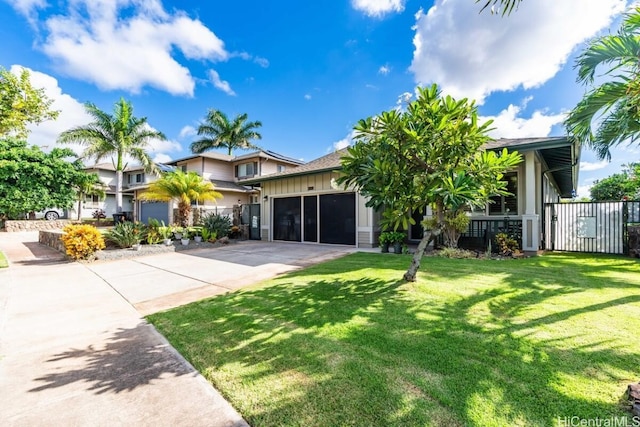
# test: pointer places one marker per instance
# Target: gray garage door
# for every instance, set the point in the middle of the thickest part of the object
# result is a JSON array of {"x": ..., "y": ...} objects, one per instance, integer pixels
[{"x": 157, "y": 210}]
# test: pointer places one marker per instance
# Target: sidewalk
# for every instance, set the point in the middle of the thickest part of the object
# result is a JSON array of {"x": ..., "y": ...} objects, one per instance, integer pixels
[{"x": 74, "y": 352}]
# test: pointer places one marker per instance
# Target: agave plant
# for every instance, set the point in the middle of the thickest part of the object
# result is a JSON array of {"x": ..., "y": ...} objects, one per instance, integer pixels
[{"x": 126, "y": 234}]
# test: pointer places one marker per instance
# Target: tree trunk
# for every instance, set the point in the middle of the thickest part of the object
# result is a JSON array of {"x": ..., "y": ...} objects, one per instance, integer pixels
[
  {"x": 183, "y": 213},
  {"x": 119, "y": 191},
  {"x": 410, "y": 275},
  {"x": 79, "y": 206}
]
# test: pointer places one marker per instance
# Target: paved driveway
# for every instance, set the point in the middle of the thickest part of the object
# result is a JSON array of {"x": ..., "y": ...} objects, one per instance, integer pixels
[{"x": 75, "y": 350}]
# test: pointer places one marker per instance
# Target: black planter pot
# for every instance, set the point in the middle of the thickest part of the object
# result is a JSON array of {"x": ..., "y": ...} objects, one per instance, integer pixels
[
  {"x": 397, "y": 248},
  {"x": 384, "y": 248}
]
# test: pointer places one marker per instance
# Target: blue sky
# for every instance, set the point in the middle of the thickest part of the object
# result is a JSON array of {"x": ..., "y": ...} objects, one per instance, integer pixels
[{"x": 307, "y": 70}]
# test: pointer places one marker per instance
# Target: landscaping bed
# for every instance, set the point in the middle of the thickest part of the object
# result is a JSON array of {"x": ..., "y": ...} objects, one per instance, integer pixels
[{"x": 472, "y": 342}]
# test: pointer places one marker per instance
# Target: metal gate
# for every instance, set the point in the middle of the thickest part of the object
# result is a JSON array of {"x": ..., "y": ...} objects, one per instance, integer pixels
[
  {"x": 251, "y": 217},
  {"x": 590, "y": 226}
]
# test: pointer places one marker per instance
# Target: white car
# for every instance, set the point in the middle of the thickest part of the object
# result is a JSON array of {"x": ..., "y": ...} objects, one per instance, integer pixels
[{"x": 50, "y": 214}]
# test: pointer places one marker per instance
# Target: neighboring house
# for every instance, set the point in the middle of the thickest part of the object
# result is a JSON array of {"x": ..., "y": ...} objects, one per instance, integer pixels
[
  {"x": 304, "y": 204},
  {"x": 223, "y": 171}
]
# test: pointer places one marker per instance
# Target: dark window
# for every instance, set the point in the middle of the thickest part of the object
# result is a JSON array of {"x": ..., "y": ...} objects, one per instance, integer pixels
[
  {"x": 338, "y": 219},
  {"x": 311, "y": 219},
  {"x": 286, "y": 219},
  {"x": 245, "y": 170},
  {"x": 506, "y": 205}
]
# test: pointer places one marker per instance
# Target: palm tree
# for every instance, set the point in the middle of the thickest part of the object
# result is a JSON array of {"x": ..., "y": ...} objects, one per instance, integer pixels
[
  {"x": 218, "y": 132},
  {"x": 186, "y": 187},
  {"x": 116, "y": 136},
  {"x": 615, "y": 104},
  {"x": 88, "y": 185},
  {"x": 506, "y": 6}
]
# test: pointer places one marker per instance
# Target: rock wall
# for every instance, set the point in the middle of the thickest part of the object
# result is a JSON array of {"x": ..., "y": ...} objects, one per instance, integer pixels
[
  {"x": 52, "y": 238},
  {"x": 33, "y": 225}
]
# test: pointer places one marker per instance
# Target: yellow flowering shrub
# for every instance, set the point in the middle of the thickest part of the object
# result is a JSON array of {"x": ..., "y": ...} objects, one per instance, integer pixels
[{"x": 82, "y": 240}]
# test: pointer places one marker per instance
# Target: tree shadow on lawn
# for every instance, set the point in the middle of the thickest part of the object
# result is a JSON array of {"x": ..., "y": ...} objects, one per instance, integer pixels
[
  {"x": 130, "y": 358},
  {"x": 371, "y": 351}
]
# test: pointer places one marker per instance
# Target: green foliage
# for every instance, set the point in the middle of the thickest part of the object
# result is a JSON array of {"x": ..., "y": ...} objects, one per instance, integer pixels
[
  {"x": 218, "y": 132},
  {"x": 185, "y": 187},
  {"x": 127, "y": 234},
  {"x": 506, "y": 245},
  {"x": 456, "y": 253},
  {"x": 395, "y": 236},
  {"x": 154, "y": 236},
  {"x": 618, "y": 186},
  {"x": 116, "y": 137},
  {"x": 32, "y": 180},
  {"x": 502, "y": 7},
  {"x": 3, "y": 261},
  {"x": 429, "y": 155},
  {"x": 208, "y": 235},
  {"x": 81, "y": 241},
  {"x": 614, "y": 103},
  {"x": 21, "y": 104},
  {"x": 165, "y": 231},
  {"x": 218, "y": 224},
  {"x": 454, "y": 225}
]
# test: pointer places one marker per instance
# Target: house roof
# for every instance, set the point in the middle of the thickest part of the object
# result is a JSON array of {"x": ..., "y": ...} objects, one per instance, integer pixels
[
  {"x": 560, "y": 155},
  {"x": 265, "y": 154},
  {"x": 230, "y": 186},
  {"x": 330, "y": 162}
]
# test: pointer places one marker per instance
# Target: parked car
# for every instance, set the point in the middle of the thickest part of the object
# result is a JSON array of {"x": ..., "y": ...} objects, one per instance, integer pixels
[{"x": 50, "y": 214}]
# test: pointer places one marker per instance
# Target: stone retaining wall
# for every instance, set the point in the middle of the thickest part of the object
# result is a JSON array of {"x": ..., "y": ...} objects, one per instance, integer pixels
[
  {"x": 33, "y": 225},
  {"x": 634, "y": 240},
  {"x": 52, "y": 238}
]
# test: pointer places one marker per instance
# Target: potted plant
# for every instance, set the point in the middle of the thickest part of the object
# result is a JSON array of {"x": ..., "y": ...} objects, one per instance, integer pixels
[
  {"x": 197, "y": 233},
  {"x": 177, "y": 232},
  {"x": 165, "y": 233},
  {"x": 384, "y": 241},
  {"x": 396, "y": 238},
  {"x": 184, "y": 238}
]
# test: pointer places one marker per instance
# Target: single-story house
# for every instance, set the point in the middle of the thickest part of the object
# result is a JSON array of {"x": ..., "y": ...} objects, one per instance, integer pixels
[{"x": 304, "y": 204}]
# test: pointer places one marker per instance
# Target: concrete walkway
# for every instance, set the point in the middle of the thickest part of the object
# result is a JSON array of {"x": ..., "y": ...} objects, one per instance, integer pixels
[{"x": 76, "y": 351}]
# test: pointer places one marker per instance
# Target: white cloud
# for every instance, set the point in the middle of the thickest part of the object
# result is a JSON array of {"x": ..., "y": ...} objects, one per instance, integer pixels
[
  {"x": 508, "y": 124},
  {"x": 584, "y": 190},
  {"x": 378, "y": 8},
  {"x": 384, "y": 70},
  {"x": 473, "y": 54},
  {"x": 72, "y": 114},
  {"x": 343, "y": 143},
  {"x": 223, "y": 85},
  {"x": 307, "y": 96},
  {"x": 187, "y": 131},
  {"x": 263, "y": 62},
  {"x": 162, "y": 158},
  {"x": 593, "y": 166},
  {"x": 126, "y": 44}
]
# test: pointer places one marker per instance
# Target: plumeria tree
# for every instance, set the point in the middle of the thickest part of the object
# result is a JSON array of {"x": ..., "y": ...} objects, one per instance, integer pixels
[{"x": 429, "y": 155}]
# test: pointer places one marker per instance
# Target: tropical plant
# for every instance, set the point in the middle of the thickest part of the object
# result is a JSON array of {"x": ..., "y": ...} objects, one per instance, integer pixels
[
  {"x": 21, "y": 104},
  {"x": 506, "y": 245},
  {"x": 217, "y": 223},
  {"x": 429, "y": 155},
  {"x": 154, "y": 236},
  {"x": 208, "y": 235},
  {"x": 32, "y": 180},
  {"x": 186, "y": 187},
  {"x": 98, "y": 214},
  {"x": 396, "y": 237},
  {"x": 218, "y": 132},
  {"x": 116, "y": 136},
  {"x": 502, "y": 7},
  {"x": 81, "y": 241},
  {"x": 614, "y": 104},
  {"x": 165, "y": 231},
  {"x": 127, "y": 233},
  {"x": 89, "y": 185},
  {"x": 455, "y": 223}
]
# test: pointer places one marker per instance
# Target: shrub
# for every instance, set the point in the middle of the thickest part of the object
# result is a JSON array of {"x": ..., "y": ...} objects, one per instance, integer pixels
[
  {"x": 448, "y": 252},
  {"x": 217, "y": 223},
  {"x": 98, "y": 214},
  {"x": 81, "y": 241},
  {"x": 154, "y": 235},
  {"x": 127, "y": 234},
  {"x": 506, "y": 245}
]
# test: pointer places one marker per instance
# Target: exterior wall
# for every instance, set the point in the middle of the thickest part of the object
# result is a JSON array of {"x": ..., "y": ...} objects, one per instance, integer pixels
[
  {"x": 315, "y": 184},
  {"x": 215, "y": 169}
]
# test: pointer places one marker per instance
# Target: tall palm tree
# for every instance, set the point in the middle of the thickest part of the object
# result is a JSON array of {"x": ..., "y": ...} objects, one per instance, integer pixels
[
  {"x": 185, "y": 187},
  {"x": 218, "y": 132},
  {"x": 614, "y": 104},
  {"x": 116, "y": 136}
]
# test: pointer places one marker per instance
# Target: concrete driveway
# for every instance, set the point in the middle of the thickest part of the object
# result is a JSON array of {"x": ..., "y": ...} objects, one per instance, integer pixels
[{"x": 75, "y": 349}]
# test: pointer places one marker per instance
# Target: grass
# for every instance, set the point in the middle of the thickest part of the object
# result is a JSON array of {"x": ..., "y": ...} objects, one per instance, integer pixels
[
  {"x": 3, "y": 261},
  {"x": 472, "y": 342}
]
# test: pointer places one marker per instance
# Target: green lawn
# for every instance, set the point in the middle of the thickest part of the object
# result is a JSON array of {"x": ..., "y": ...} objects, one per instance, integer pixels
[
  {"x": 3, "y": 261},
  {"x": 473, "y": 342}
]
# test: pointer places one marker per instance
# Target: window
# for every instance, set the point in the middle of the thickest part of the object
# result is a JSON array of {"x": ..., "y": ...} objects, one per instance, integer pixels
[
  {"x": 137, "y": 178},
  {"x": 91, "y": 200},
  {"x": 246, "y": 170},
  {"x": 184, "y": 168},
  {"x": 281, "y": 168},
  {"x": 506, "y": 205}
]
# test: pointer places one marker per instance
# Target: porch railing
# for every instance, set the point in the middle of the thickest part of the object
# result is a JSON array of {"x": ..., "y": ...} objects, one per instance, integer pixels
[{"x": 482, "y": 231}]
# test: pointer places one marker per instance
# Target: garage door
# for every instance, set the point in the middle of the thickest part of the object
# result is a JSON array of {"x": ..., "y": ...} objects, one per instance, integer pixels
[
  {"x": 157, "y": 210},
  {"x": 326, "y": 218}
]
